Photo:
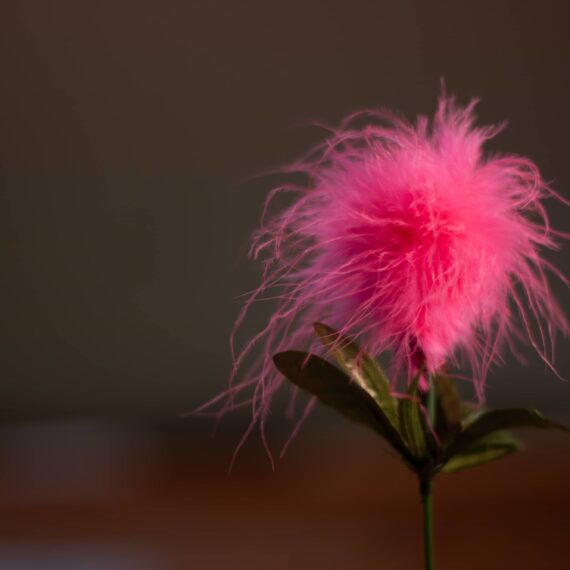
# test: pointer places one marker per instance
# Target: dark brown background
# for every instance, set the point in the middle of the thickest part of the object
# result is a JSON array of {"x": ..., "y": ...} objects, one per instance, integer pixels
[{"x": 128, "y": 133}]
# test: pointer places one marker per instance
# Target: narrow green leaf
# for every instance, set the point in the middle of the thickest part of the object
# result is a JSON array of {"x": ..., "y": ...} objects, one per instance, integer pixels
[
  {"x": 494, "y": 420},
  {"x": 362, "y": 368},
  {"x": 494, "y": 446},
  {"x": 449, "y": 408},
  {"x": 335, "y": 389},
  {"x": 412, "y": 421}
]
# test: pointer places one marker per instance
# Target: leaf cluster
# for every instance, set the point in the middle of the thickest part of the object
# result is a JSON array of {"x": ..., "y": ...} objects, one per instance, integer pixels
[{"x": 359, "y": 389}]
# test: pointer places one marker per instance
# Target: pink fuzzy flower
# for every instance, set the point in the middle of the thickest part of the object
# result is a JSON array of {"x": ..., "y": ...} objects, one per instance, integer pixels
[{"x": 410, "y": 240}]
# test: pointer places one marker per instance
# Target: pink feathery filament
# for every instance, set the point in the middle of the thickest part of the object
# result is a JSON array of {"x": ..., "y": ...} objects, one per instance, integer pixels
[{"x": 411, "y": 240}]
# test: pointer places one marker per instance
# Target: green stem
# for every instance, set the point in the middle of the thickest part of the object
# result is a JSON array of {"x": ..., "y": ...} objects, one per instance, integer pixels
[{"x": 426, "y": 490}]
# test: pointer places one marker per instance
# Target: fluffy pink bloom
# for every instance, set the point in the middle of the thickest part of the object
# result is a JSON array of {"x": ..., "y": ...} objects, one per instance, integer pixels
[{"x": 410, "y": 239}]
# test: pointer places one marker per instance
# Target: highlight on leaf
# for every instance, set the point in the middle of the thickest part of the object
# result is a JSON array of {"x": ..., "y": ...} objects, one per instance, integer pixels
[
  {"x": 414, "y": 424},
  {"x": 411, "y": 422},
  {"x": 489, "y": 448},
  {"x": 335, "y": 389},
  {"x": 362, "y": 368}
]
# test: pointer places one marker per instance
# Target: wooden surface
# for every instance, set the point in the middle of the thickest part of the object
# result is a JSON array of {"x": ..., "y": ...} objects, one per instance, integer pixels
[{"x": 336, "y": 501}]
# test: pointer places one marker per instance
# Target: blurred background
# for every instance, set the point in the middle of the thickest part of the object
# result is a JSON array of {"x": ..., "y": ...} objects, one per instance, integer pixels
[{"x": 129, "y": 135}]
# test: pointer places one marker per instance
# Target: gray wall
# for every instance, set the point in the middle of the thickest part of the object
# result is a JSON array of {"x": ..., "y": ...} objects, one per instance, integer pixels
[{"x": 128, "y": 133}]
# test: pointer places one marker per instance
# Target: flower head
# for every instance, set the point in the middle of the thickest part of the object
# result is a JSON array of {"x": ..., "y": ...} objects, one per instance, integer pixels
[{"x": 410, "y": 239}]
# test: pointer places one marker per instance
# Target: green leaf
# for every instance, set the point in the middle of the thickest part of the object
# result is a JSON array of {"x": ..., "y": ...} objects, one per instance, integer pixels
[
  {"x": 412, "y": 421},
  {"x": 361, "y": 368},
  {"x": 494, "y": 420},
  {"x": 449, "y": 408},
  {"x": 494, "y": 446},
  {"x": 335, "y": 389},
  {"x": 470, "y": 414}
]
